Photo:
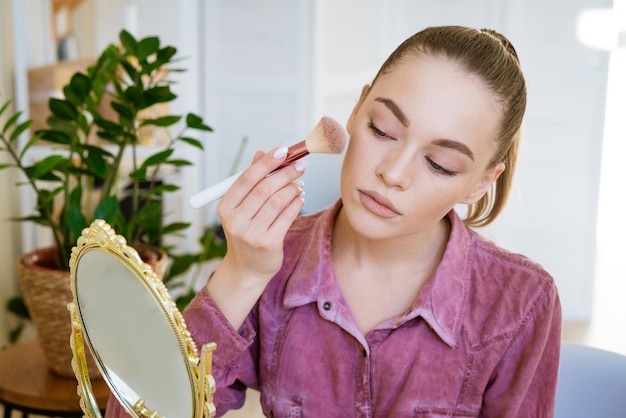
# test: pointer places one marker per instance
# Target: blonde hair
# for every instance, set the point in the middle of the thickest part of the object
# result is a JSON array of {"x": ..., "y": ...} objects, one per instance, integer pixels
[{"x": 492, "y": 57}]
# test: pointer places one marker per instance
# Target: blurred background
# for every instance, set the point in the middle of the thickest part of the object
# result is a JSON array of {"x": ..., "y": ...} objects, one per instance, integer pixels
[{"x": 267, "y": 71}]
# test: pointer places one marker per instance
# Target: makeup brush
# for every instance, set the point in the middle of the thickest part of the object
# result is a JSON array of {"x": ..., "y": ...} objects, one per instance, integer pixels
[{"x": 328, "y": 137}]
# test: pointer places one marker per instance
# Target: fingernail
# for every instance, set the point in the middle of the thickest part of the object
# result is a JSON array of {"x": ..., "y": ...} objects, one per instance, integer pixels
[
  {"x": 300, "y": 165},
  {"x": 299, "y": 183},
  {"x": 280, "y": 152},
  {"x": 302, "y": 195}
]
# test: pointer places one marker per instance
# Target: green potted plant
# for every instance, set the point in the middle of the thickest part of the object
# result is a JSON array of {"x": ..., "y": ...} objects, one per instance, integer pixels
[{"x": 96, "y": 167}]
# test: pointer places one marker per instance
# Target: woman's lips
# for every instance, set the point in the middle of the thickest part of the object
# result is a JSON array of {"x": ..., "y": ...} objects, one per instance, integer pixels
[{"x": 378, "y": 204}]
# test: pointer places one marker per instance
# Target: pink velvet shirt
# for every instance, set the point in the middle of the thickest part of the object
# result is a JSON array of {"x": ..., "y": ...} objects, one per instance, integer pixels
[{"x": 481, "y": 340}]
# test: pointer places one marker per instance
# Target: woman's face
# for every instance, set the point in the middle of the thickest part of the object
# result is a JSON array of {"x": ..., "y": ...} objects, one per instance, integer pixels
[{"x": 421, "y": 139}]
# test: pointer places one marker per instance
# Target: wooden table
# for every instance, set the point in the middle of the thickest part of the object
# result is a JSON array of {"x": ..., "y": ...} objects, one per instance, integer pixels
[{"x": 27, "y": 385}]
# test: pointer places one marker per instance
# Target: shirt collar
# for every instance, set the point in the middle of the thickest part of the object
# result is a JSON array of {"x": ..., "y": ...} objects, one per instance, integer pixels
[
  {"x": 441, "y": 302},
  {"x": 443, "y": 299}
]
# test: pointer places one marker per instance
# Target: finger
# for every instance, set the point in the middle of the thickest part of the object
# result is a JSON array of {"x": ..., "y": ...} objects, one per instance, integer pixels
[
  {"x": 281, "y": 224},
  {"x": 264, "y": 235},
  {"x": 250, "y": 177},
  {"x": 273, "y": 207},
  {"x": 258, "y": 155},
  {"x": 266, "y": 188}
]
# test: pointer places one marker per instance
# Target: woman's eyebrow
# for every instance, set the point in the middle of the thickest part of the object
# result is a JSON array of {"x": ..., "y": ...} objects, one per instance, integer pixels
[
  {"x": 395, "y": 109},
  {"x": 459, "y": 146}
]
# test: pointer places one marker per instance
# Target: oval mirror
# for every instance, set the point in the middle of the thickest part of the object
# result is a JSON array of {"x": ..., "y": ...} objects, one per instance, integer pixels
[{"x": 123, "y": 313}]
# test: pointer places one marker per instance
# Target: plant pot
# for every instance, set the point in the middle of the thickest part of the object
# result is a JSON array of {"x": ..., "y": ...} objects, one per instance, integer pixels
[{"x": 47, "y": 292}]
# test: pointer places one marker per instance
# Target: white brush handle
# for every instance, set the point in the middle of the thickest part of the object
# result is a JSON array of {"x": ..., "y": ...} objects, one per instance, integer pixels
[{"x": 212, "y": 193}]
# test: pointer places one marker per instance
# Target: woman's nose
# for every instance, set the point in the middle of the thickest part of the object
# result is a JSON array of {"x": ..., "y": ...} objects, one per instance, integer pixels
[{"x": 397, "y": 169}]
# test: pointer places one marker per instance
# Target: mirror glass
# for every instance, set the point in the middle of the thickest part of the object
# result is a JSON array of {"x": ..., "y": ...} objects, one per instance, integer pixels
[{"x": 138, "y": 350}]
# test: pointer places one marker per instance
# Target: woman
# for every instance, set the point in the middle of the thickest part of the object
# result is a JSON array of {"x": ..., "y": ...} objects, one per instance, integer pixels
[{"x": 387, "y": 304}]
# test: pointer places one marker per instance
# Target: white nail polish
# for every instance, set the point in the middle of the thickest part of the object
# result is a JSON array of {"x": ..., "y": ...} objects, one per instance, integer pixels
[
  {"x": 300, "y": 165},
  {"x": 299, "y": 183},
  {"x": 280, "y": 152}
]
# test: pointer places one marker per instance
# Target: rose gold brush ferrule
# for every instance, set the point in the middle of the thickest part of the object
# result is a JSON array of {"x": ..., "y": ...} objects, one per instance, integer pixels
[{"x": 295, "y": 152}]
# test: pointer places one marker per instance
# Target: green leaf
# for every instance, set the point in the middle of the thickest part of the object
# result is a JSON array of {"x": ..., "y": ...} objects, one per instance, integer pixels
[
  {"x": 108, "y": 209},
  {"x": 159, "y": 94},
  {"x": 183, "y": 301},
  {"x": 40, "y": 220},
  {"x": 71, "y": 97},
  {"x": 135, "y": 96},
  {"x": 130, "y": 70},
  {"x": 128, "y": 42},
  {"x": 149, "y": 214},
  {"x": 122, "y": 110},
  {"x": 216, "y": 250},
  {"x": 14, "y": 334},
  {"x": 32, "y": 141},
  {"x": 192, "y": 141},
  {"x": 161, "y": 188},
  {"x": 46, "y": 165},
  {"x": 181, "y": 264},
  {"x": 178, "y": 163},
  {"x": 19, "y": 129},
  {"x": 62, "y": 109},
  {"x": 11, "y": 121},
  {"x": 157, "y": 158},
  {"x": 108, "y": 126},
  {"x": 174, "y": 227},
  {"x": 163, "y": 121},
  {"x": 49, "y": 176},
  {"x": 195, "y": 122},
  {"x": 98, "y": 150},
  {"x": 165, "y": 54},
  {"x": 3, "y": 166},
  {"x": 83, "y": 123},
  {"x": 17, "y": 306},
  {"x": 54, "y": 136},
  {"x": 76, "y": 196},
  {"x": 147, "y": 47},
  {"x": 96, "y": 163},
  {"x": 80, "y": 85},
  {"x": 108, "y": 137},
  {"x": 65, "y": 126},
  {"x": 139, "y": 174},
  {"x": 75, "y": 220},
  {"x": 5, "y": 105}
]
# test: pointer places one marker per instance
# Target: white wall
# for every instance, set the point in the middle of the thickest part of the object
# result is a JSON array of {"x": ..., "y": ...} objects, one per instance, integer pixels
[
  {"x": 9, "y": 249},
  {"x": 269, "y": 70}
]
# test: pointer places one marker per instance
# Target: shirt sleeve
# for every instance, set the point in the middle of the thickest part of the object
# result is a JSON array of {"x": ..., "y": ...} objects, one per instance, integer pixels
[
  {"x": 114, "y": 409},
  {"x": 232, "y": 364},
  {"x": 234, "y": 368},
  {"x": 524, "y": 382}
]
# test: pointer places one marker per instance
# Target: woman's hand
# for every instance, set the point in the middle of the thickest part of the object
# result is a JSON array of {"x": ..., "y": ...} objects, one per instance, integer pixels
[{"x": 256, "y": 213}]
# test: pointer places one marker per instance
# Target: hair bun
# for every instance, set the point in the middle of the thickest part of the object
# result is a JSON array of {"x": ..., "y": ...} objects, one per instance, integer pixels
[{"x": 503, "y": 40}]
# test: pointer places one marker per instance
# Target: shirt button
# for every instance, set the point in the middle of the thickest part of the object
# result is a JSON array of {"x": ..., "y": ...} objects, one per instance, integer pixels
[{"x": 326, "y": 306}]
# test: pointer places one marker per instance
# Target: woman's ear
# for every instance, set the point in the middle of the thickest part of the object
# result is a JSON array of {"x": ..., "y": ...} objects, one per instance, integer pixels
[
  {"x": 484, "y": 184},
  {"x": 356, "y": 108}
]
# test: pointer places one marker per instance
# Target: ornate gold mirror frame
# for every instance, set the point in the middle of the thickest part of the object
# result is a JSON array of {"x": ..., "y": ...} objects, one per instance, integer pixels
[{"x": 137, "y": 335}]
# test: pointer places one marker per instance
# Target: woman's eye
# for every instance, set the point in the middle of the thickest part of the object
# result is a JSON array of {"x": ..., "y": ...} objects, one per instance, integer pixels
[
  {"x": 439, "y": 169},
  {"x": 377, "y": 131}
]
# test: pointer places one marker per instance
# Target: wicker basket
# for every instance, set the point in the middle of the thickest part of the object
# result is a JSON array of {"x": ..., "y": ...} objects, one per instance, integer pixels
[{"x": 46, "y": 292}]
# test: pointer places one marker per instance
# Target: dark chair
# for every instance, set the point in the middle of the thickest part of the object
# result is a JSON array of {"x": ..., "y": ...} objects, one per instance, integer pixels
[{"x": 592, "y": 383}]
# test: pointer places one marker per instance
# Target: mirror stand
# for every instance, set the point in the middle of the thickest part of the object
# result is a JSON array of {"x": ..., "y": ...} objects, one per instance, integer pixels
[
  {"x": 141, "y": 344},
  {"x": 88, "y": 402}
]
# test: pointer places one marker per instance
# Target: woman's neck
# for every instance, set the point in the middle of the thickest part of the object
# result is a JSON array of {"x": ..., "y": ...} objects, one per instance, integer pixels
[
  {"x": 420, "y": 251},
  {"x": 380, "y": 279}
]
